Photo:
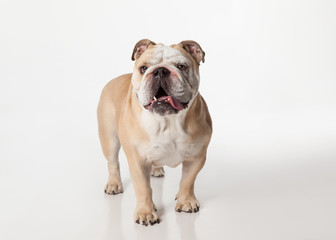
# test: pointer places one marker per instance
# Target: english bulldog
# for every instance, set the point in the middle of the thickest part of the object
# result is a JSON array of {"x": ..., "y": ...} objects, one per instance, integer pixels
[{"x": 159, "y": 118}]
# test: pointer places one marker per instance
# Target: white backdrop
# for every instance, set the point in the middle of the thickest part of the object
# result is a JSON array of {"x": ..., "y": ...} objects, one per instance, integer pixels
[{"x": 269, "y": 79}]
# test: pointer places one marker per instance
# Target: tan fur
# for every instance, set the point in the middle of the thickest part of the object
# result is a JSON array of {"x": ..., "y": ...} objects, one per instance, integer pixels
[{"x": 119, "y": 122}]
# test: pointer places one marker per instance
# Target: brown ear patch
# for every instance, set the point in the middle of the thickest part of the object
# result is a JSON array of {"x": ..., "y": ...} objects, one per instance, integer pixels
[
  {"x": 140, "y": 47},
  {"x": 194, "y": 49}
]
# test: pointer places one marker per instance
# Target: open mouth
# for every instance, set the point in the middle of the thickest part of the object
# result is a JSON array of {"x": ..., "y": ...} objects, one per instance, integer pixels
[{"x": 162, "y": 97}]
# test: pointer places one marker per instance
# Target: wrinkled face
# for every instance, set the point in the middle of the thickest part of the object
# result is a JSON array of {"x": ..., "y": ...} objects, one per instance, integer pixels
[{"x": 165, "y": 79}]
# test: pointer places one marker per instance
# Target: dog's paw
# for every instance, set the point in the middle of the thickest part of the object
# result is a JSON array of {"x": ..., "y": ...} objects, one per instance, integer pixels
[
  {"x": 146, "y": 217},
  {"x": 188, "y": 205},
  {"x": 113, "y": 188},
  {"x": 158, "y": 172}
]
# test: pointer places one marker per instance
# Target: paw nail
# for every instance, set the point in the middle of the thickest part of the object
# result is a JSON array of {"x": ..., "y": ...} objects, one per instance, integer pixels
[
  {"x": 137, "y": 221},
  {"x": 179, "y": 210}
]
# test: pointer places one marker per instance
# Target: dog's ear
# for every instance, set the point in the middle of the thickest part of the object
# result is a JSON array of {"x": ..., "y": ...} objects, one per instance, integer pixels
[
  {"x": 194, "y": 49},
  {"x": 140, "y": 47}
]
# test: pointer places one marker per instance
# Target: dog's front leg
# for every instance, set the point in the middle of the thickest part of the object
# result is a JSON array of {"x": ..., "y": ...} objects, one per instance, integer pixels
[
  {"x": 186, "y": 200},
  {"x": 145, "y": 212}
]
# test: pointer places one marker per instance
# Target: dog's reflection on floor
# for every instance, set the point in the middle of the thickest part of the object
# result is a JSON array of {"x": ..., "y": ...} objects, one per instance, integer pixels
[
  {"x": 186, "y": 224},
  {"x": 114, "y": 228}
]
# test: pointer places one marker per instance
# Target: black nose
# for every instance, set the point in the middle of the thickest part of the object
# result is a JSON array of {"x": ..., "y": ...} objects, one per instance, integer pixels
[{"x": 161, "y": 72}]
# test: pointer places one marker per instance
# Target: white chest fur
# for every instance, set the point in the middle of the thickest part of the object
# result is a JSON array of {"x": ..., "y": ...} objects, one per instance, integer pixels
[{"x": 168, "y": 144}]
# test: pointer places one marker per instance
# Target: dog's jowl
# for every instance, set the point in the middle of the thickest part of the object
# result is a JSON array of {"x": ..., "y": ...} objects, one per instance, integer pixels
[{"x": 159, "y": 118}]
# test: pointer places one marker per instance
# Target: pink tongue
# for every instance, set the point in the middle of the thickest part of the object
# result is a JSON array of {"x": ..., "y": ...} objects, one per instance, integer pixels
[{"x": 176, "y": 104}]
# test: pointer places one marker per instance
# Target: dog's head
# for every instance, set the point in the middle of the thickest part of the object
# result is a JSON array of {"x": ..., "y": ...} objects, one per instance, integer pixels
[{"x": 166, "y": 78}]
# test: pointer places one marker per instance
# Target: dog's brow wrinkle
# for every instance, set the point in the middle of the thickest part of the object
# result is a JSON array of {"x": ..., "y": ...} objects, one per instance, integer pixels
[
  {"x": 158, "y": 55},
  {"x": 170, "y": 53}
]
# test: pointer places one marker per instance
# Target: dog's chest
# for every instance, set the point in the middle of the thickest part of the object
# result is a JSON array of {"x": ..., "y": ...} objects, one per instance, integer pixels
[{"x": 169, "y": 143}]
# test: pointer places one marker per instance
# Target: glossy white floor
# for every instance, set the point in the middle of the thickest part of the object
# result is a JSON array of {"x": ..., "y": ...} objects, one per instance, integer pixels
[{"x": 269, "y": 177}]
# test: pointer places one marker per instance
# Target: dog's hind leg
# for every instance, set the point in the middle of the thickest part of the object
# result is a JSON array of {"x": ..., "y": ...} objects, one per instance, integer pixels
[
  {"x": 114, "y": 184},
  {"x": 110, "y": 144},
  {"x": 157, "y": 172}
]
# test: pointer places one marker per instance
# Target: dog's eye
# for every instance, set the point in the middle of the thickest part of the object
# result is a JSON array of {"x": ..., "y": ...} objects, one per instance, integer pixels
[
  {"x": 182, "y": 67},
  {"x": 143, "y": 69}
]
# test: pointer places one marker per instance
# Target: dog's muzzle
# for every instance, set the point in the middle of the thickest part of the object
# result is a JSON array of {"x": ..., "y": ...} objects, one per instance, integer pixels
[{"x": 164, "y": 103}]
